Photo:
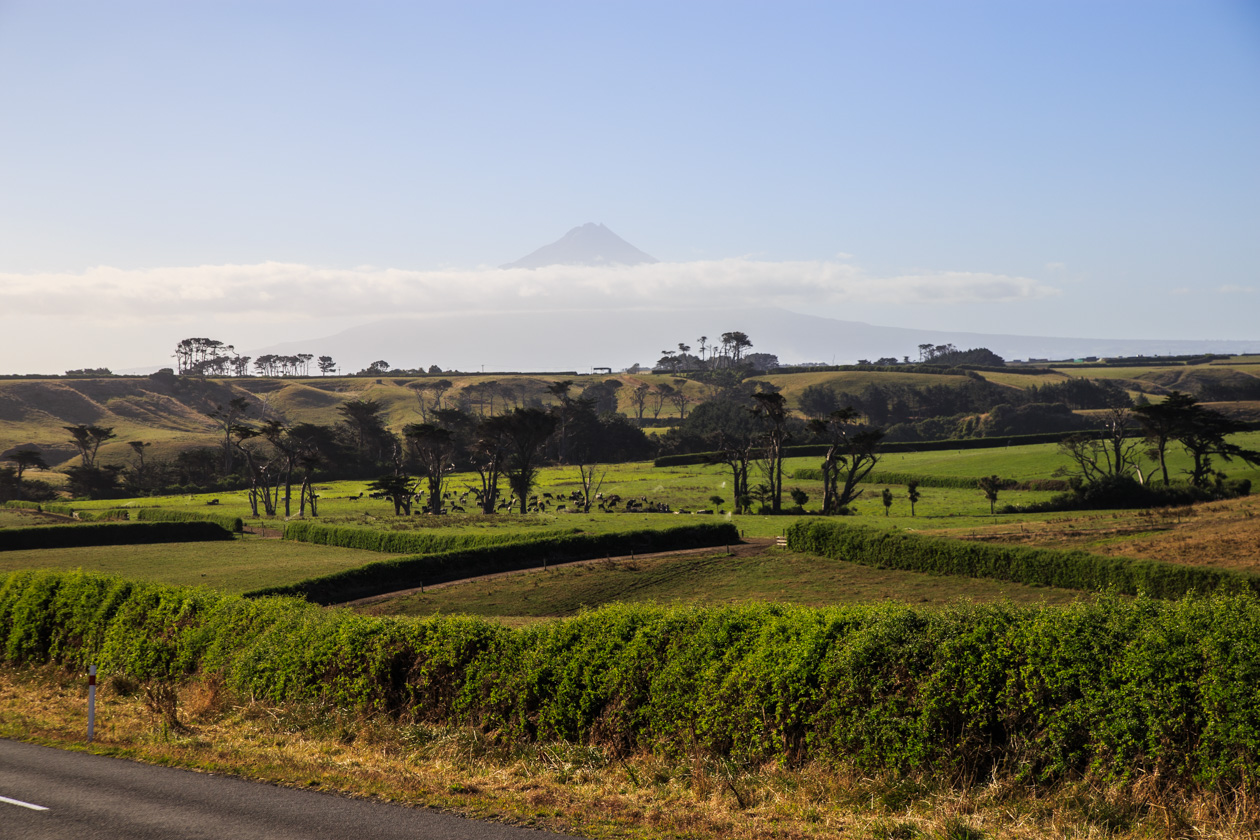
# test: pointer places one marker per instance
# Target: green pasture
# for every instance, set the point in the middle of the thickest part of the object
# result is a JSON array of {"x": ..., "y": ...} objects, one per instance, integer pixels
[
  {"x": 16, "y": 518},
  {"x": 711, "y": 579},
  {"x": 1023, "y": 381},
  {"x": 240, "y": 565}
]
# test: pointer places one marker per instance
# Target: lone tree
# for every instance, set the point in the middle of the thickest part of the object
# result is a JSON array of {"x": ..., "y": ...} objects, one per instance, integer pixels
[
  {"x": 1200, "y": 430},
  {"x": 527, "y": 433},
  {"x": 852, "y": 453},
  {"x": 887, "y": 499},
  {"x": 990, "y": 485},
  {"x": 398, "y": 489},
  {"x": 772, "y": 409},
  {"x": 326, "y": 365},
  {"x": 1162, "y": 422},
  {"x": 433, "y": 449},
  {"x": 227, "y": 417},
  {"x": 26, "y": 459},
  {"x": 912, "y": 493},
  {"x": 88, "y": 439}
]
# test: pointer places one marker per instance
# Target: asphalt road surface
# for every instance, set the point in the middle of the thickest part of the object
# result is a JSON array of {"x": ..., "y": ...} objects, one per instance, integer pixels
[{"x": 49, "y": 794}]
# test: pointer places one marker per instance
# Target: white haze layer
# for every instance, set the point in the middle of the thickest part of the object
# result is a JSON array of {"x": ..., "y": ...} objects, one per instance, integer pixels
[{"x": 286, "y": 291}]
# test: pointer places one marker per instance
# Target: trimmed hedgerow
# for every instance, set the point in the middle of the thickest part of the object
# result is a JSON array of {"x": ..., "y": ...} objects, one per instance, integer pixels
[
  {"x": 21, "y": 505},
  {"x": 151, "y": 514},
  {"x": 402, "y": 542},
  {"x": 526, "y": 553},
  {"x": 1112, "y": 688},
  {"x": 131, "y": 533},
  {"x": 1038, "y": 566},
  {"x": 111, "y": 515}
]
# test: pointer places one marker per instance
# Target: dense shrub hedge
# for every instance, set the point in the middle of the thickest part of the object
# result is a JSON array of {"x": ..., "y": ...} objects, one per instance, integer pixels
[
  {"x": 130, "y": 533},
  {"x": 958, "y": 482},
  {"x": 1111, "y": 688},
  {"x": 401, "y": 542},
  {"x": 152, "y": 514},
  {"x": 1038, "y": 566},
  {"x": 21, "y": 505},
  {"x": 524, "y": 553},
  {"x": 111, "y": 515}
]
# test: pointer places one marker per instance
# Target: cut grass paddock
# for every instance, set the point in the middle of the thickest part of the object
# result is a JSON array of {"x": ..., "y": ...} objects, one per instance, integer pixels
[
  {"x": 235, "y": 566},
  {"x": 704, "y": 579}
]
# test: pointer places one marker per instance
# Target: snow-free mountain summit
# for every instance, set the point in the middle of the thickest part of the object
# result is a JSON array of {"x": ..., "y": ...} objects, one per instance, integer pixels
[{"x": 589, "y": 244}]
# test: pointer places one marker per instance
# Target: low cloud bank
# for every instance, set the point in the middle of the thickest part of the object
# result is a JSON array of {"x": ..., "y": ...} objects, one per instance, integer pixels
[{"x": 286, "y": 291}]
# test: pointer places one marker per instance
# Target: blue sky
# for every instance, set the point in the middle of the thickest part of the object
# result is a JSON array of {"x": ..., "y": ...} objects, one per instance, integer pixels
[{"x": 1096, "y": 162}]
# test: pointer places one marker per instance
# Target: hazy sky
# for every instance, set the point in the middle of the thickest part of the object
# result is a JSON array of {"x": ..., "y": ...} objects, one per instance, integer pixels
[{"x": 260, "y": 171}]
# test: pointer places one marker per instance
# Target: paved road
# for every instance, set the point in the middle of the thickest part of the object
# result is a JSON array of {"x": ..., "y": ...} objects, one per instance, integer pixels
[{"x": 91, "y": 797}]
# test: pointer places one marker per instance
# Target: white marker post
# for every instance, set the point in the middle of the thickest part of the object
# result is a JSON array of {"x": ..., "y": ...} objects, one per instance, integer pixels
[{"x": 91, "y": 702}]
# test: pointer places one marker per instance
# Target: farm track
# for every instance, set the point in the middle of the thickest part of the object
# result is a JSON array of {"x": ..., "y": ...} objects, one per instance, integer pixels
[{"x": 751, "y": 546}]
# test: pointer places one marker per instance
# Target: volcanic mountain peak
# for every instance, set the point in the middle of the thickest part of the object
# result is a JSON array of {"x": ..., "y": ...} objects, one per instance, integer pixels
[{"x": 588, "y": 244}]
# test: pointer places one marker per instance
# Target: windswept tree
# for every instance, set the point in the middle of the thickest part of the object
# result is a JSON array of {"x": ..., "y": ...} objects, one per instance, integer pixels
[
  {"x": 1115, "y": 452},
  {"x": 1201, "y": 431},
  {"x": 563, "y": 411},
  {"x": 398, "y": 488},
  {"x": 433, "y": 450},
  {"x": 227, "y": 416},
  {"x": 25, "y": 459},
  {"x": 364, "y": 420},
  {"x": 527, "y": 433},
  {"x": 990, "y": 485},
  {"x": 488, "y": 452},
  {"x": 88, "y": 439},
  {"x": 680, "y": 398},
  {"x": 326, "y": 365},
  {"x": 638, "y": 400},
  {"x": 771, "y": 408},
  {"x": 852, "y": 452},
  {"x": 1162, "y": 422}
]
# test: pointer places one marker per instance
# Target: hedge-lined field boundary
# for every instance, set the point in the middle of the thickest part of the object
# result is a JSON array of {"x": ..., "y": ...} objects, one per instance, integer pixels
[
  {"x": 18, "y": 504},
  {"x": 527, "y": 553},
  {"x": 956, "y": 482},
  {"x": 1018, "y": 564},
  {"x": 126, "y": 533},
  {"x": 403, "y": 542},
  {"x": 153, "y": 514},
  {"x": 1114, "y": 689},
  {"x": 820, "y": 449}
]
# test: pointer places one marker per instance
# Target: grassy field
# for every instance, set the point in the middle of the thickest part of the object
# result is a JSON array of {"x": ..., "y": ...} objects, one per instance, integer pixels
[
  {"x": 706, "y": 579},
  {"x": 237, "y": 566},
  {"x": 17, "y": 518}
]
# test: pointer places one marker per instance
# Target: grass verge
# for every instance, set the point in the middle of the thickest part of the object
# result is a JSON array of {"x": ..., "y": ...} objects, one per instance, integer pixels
[{"x": 581, "y": 789}]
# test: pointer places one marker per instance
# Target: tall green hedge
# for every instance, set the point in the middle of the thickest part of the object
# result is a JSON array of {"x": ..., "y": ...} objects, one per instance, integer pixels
[
  {"x": 1038, "y": 566},
  {"x": 129, "y": 533},
  {"x": 110, "y": 515},
  {"x": 410, "y": 572},
  {"x": 402, "y": 542},
  {"x": 21, "y": 505},
  {"x": 152, "y": 514},
  {"x": 1113, "y": 688}
]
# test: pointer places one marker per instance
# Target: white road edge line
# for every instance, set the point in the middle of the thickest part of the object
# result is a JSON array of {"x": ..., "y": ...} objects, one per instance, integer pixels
[{"x": 22, "y": 804}]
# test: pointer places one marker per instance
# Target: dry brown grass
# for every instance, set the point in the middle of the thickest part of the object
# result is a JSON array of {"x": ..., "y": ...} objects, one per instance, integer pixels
[
  {"x": 582, "y": 789},
  {"x": 1223, "y": 534}
]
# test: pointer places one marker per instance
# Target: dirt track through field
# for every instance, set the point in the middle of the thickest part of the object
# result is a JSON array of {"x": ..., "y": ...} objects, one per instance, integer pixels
[{"x": 749, "y": 547}]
